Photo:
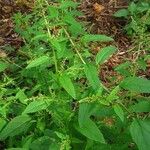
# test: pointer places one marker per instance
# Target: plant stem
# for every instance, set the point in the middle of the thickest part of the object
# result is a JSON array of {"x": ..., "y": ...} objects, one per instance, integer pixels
[
  {"x": 77, "y": 51},
  {"x": 50, "y": 37}
]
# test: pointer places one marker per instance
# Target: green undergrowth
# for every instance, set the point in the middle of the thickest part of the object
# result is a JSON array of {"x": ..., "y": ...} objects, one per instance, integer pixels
[{"x": 52, "y": 97}]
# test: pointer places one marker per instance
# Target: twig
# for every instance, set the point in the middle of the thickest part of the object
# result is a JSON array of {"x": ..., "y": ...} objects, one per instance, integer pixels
[{"x": 71, "y": 41}]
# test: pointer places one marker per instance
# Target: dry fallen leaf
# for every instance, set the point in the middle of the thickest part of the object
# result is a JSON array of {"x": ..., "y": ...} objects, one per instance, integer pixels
[{"x": 98, "y": 8}]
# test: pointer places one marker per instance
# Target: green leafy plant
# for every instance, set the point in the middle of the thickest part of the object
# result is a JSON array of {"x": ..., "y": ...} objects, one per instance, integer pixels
[
  {"x": 138, "y": 25},
  {"x": 51, "y": 93}
]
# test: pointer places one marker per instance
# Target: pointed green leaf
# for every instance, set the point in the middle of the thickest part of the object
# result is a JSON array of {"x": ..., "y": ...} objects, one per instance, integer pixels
[
  {"x": 2, "y": 123},
  {"x": 118, "y": 110},
  {"x": 104, "y": 54},
  {"x": 67, "y": 84},
  {"x": 59, "y": 46},
  {"x": 140, "y": 132},
  {"x": 36, "y": 106},
  {"x": 91, "y": 131},
  {"x": 44, "y": 143},
  {"x": 85, "y": 111},
  {"x": 16, "y": 149},
  {"x": 16, "y": 126},
  {"x": 93, "y": 38},
  {"x": 113, "y": 94},
  {"x": 21, "y": 96},
  {"x": 38, "y": 61},
  {"x": 86, "y": 126},
  {"x": 92, "y": 76},
  {"x": 136, "y": 84},
  {"x": 132, "y": 8},
  {"x": 39, "y": 37},
  {"x": 53, "y": 12},
  {"x": 121, "y": 13}
]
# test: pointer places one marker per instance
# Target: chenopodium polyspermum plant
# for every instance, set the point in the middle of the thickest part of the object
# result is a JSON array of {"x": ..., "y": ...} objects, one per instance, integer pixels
[{"x": 53, "y": 98}]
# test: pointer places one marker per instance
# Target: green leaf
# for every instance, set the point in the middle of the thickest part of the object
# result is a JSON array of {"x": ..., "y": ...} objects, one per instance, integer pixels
[
  {"x": 85, "y": 111},
  {"x": 132, "y": 8},
  {"x": 136, "y": 84},
  {"x": 75, "y": 27},
  {"x": 53, "y": 12},
  {"x": 66, "y": 4},
  {"x": 16, "y": 149},
  {"x": 91, "y": 131},
  {"x": 86, "y": 126},
  {"x": 93, "y": 38},
  {"x": 21, "y": 96},
  {"x": 113, "y": 95},
  {"x": 39, "y": 37},
  {"x": 118, "y": 110},
  {"x": 38, "y": 61},
  {"x": 121, "y": 13},
  {"x": 123, "y": 68},
  {"x": 92, "y": 76},
  {"x": 140, "y": 132},
  {"x": 45, "y": 143},
  {"x": 59, "y": 46},
  {"x": 3, "y": 66},
  {"x": 67, "y": 84},
  {"x": 68, "y": 18},
  {"x": 27, "y": 141},
  {"x": 142, "y": 106},
  {"x": 2, "y": 123},
  {"x": 104, "y": 54},
  {"x": 36, "y": 106},
  {"x": 16, "y": 126}
]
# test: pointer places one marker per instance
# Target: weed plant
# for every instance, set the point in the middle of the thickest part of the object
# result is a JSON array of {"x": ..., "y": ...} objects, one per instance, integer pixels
[{"x": 52, "y": 97}]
